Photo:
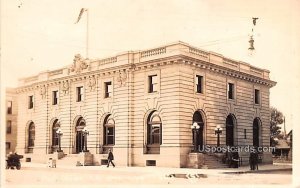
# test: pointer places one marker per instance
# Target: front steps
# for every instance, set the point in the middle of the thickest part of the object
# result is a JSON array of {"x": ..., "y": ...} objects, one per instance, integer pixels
[{"x": 205, "y": 160}]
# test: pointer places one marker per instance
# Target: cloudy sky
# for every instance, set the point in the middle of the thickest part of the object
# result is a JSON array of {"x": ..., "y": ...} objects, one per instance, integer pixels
[{"x": 39, "y": 35}]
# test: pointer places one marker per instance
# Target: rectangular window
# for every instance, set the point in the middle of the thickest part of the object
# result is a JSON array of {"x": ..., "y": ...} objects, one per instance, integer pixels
[
  {"x": 245, "y": 133},
  {"x": 79, "y": 91},
  {"x": 54, "y": 97},
  {"x": 257, "y": 96},
  {"x": 199, "y": 84},
  {"x": 153, "y": 82},
  {"x": 8, "y": 127},
  {"x": 7, "y": 145},
  {"x": 108, "y": 89},
  {"x": 230, "y": 91},
  {"x": 9, "y": 107},
  {"x": 30, "y": 102}
]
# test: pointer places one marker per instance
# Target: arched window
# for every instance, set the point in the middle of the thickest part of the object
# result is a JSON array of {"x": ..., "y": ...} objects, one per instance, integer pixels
[
  {"x": 31, "y": 134},
  {"x": 230, "y": 123},
  {"x": 55, "y": 138},
  {"x": 256, "y": 130},
  {"x": 154, "y": 129},
  {"x": 109, "y": 130}
]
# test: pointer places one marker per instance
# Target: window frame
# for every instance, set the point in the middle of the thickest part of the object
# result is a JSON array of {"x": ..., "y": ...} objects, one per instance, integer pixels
[
  {"x": 30, "y": 101},
  {"x": 9, "y": 107},
  {"x": 55, "y": 97},
  {"x": 151, "y": 125},
  {"x": 152, "y": 86},
  {"x": 79, "y": 93},
  {"x": 8, "y": 127},
  {"x": 231, "y": 91},
  {"x": 107, "y": 93},
  {"x": 7, "y": 144},
  {"x": 31, "y": 135},
  {"x": 199, "y": 86},
  {"x": 106, "y": 126},
  {"x": 257, "y": 97}
]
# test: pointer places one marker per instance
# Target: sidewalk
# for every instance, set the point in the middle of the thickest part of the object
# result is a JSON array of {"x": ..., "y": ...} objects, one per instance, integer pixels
[{"x": 166, "y": 171}]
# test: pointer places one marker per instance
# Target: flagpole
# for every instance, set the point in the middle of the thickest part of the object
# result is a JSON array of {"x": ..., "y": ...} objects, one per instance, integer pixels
[{"x": 87, "y": 34}]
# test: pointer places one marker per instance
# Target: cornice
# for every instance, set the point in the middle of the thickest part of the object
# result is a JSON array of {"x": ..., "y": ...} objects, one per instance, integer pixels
[{"x": 155, "y": 63}]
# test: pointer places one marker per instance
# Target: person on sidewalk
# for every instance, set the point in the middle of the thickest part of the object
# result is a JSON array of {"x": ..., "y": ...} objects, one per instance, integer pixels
[
  {"x": 251, "y": 160},
  {"x": 255, "y": 165},
  {"x": 110, "y": 158}
]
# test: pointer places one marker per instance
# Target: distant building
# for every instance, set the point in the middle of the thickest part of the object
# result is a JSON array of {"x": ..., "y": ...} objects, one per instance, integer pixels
[
  {"x": 142, "y": 105},
  {"x": 11, "y": 120}
]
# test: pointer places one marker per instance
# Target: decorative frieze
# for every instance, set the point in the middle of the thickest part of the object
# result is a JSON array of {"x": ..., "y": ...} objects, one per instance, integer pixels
[
  {"x": 43, "y": 91},
  {"x": 65, "y": 87},
  {"x": 121, "y": 78},
  {"x": 91, "y": 83}
]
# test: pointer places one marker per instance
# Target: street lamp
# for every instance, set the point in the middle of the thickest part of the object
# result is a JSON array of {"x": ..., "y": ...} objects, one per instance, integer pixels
[
  {"x": 218, "y": 131},
  {"x": 85, "y": 132},
  {"x": 195, "y": 127},
  {"x": 59, "y": 134}
]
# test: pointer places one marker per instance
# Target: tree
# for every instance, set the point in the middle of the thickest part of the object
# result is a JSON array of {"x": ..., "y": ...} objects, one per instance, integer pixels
[{"x": 276, "y": 119}]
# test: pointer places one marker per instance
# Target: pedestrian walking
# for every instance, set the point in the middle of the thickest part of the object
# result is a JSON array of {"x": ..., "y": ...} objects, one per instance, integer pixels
[
  {"x": 252, "y": 160},
  {"x": 255, "y": 165},
  {"x": 110, "y": 158}
]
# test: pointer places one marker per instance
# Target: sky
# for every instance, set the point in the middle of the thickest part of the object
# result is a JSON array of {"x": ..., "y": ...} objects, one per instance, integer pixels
[{"x": 40, "y": 35}]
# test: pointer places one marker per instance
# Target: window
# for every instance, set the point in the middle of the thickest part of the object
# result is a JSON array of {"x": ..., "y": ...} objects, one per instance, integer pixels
[
  {"x": 7, "y": 145},
  {"x": 199, "y": 80},
  {"x": 152, "y": 83},
  {"x": 154, "y": 133},
  {"x": 109, "y": 131},
  {"x": 31, "y": 134},
  {"x": 79, "y": 91},
  {"x": 245, "y": 133},
  {"x": 8, "y": 127},
  {"x": 55, "y": 127},
  {"x": 54, "y": 97},
  {"x": 256, "y": 96},
  {"x": 9, "y": 107},
  {"x": 30, "y": 102},
  {"x": 108, "y": 89},
  {"x": 230, "y": 91}
]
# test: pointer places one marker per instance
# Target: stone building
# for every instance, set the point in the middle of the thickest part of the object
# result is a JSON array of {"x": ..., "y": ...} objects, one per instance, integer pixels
[
  {"x": 142, "y": 104},
  {"x": 11, "y": 120}
]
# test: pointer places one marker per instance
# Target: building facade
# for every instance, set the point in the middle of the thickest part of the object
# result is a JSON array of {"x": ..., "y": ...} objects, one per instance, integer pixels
[
  {"x": 142, "y": 105},
  {"x": 11, "y": 120}
]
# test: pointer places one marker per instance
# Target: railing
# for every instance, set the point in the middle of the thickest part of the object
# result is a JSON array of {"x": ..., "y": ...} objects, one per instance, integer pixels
[
  {"x": 56, "y": 72},
  {"x": 199, "y": 52},
  {"x": 256, "y": 71},
  {"x": 230, "y": 62},
  {"x": 108, "y": 60},
  {"x": 30, "y": 79},
  {"x": 153, "y": 52}
]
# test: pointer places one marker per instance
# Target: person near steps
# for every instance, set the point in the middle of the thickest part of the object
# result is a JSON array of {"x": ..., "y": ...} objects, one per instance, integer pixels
[{"x": 110, "y": 158}]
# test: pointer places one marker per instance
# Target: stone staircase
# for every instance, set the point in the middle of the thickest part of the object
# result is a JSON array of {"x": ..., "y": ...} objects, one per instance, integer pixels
[
  {"x": 68, "y": 160},
  {"x": 213, "y": 161}
]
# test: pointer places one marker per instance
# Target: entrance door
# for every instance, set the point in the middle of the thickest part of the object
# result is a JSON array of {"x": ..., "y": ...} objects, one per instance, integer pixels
[
  {"x": 256, "y": 123},
  {"x": 197, "y": 117},
  {"x": 79, "y": 141},
  {"x": 230, "y": 130}
]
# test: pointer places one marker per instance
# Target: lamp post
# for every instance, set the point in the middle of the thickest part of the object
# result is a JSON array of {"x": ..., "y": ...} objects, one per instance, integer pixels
[
  {"x": 195, "y": 127},
  {"x": 59, "y": 134},
  {"x": 218, "y": 131},
  {"x": 85, "y": 132}
]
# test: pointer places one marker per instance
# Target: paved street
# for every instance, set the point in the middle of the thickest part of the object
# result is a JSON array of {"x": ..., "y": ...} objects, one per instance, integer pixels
[{"x": 38, "y": 175}]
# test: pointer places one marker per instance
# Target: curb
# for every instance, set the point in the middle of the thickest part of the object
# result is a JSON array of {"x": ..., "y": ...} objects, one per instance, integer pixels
[{"x": 258, "y": 171}]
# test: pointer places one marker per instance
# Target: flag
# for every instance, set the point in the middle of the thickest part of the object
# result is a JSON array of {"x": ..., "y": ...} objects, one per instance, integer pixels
[{"x": 80, "y": 14}]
